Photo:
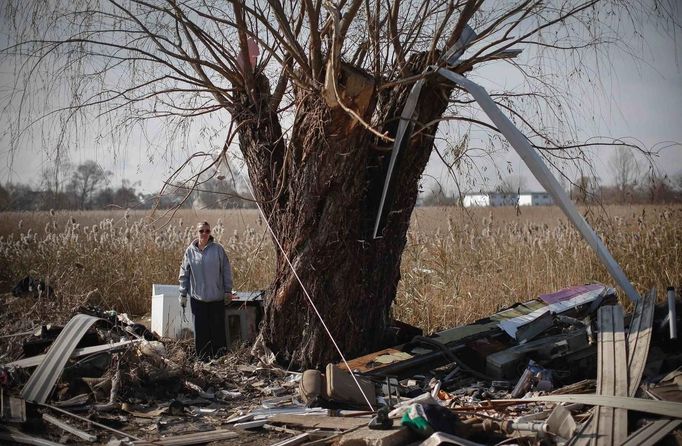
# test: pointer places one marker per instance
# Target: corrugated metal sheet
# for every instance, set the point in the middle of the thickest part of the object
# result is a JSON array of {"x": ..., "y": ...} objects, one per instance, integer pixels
[
  {"x": 77, "y": 353},
  {"x": 43, "y": 379}
]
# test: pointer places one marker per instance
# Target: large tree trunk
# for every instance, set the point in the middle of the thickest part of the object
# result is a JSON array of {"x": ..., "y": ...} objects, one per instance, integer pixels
[{"x": 320, "y": 192}]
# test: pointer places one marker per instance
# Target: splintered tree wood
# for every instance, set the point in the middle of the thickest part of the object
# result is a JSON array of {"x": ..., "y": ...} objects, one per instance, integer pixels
[
  {"x": 319, "y": 422},
  {"x": 375, "y": 360}
]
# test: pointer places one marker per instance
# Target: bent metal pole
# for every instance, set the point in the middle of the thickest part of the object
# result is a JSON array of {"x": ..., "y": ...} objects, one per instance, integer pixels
[{"x": 543, "y": 175}]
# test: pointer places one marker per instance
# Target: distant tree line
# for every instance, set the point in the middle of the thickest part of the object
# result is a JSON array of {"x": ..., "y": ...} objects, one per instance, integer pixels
[
  {"x": 88, "y": 186},
  {"x": 631, "y": 184},
  {"x": 649, "y": 188}
]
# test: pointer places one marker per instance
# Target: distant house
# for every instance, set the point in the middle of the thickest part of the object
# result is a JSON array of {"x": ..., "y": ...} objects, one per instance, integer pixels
[{"x": 495, "y": 199}]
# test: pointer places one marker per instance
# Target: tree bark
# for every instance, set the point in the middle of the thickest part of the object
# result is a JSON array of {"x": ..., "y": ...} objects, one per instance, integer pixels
[{"x": 320, "y": 193}]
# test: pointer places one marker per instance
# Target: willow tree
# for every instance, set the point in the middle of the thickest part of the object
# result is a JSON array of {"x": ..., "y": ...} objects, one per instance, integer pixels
[{"x": 314, "y": 92}]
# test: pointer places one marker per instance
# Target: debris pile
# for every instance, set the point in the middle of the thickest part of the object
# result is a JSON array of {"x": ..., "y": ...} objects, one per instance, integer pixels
[{"x": 570, "y": 367}]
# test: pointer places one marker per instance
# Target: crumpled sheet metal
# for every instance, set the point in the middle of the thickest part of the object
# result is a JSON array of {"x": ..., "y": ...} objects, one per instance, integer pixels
[{"x": 40, "y": 384}]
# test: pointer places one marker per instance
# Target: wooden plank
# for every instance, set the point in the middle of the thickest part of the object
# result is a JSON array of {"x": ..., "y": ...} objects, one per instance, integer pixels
[
  {"x": 608, "y": 426},
  {"x": 639, "y": 338},
  {"x": 602, "y": 422},
  {"x": 670, "y": 409},
  {"x": 617, "y": 362},
  {"x": 652, "y": 433},
  {"x": 254, "y": 424},
  {"x": 319, "y": 422},
  {"x": 195, "y": 438},
  {"x": 620, "y": 427},
  {"x": 103, "y": 426},
  {"x": 70, "y": 429}
]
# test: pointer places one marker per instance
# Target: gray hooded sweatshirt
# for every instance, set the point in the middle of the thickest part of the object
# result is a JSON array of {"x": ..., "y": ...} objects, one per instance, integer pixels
[{"x": 205, "y": 275}]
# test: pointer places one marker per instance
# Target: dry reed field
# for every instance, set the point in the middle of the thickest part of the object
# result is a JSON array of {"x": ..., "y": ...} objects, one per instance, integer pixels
[{"x": 459, "y": 265}]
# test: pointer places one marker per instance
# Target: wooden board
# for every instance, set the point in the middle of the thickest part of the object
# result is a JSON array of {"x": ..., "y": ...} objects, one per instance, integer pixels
[
  {"x": 652, "y": 433},
  {"x": 669, "y": 409},
  {"x": 195, "y": 438},
  {"x": 611, "y": 363},
  {"x": 319, "y": 422},
  {"x": 639, "y": 337},
  {"x": 610, "y": 424}
]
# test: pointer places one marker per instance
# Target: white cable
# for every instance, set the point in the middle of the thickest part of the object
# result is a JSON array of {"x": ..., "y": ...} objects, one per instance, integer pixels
[{"x": 305, "y": 292}]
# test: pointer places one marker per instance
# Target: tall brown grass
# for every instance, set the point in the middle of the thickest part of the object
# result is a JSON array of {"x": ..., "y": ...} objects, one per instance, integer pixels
[
  {"x": 458, "y": 265},
  {"x": 488, "y": 259}
]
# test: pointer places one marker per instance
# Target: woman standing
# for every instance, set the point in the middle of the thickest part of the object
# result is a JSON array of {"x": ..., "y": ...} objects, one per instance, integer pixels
[{"x": 206, "y": 276}]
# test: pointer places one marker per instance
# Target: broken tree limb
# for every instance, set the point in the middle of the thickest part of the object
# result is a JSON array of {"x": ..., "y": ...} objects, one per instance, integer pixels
[
  {"x": 13, "y": 335},
  {"x": 115, "y": 384},
  {"x": 103, "y": 426},
  {"x": 544, "y": 176}
]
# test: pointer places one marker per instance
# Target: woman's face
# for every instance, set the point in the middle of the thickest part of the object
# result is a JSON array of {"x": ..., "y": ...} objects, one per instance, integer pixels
[{"x": 204, "y": 233}]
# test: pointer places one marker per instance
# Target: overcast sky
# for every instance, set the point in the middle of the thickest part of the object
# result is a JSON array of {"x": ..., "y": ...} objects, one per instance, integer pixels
[{"x": 640, "y": 100}]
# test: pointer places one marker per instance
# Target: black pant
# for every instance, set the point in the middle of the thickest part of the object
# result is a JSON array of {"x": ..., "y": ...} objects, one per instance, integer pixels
[{"x": 209, "y": 328}]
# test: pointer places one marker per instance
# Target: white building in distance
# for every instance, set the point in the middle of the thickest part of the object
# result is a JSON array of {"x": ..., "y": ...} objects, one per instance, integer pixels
[{"x": 495, "y": 199}]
